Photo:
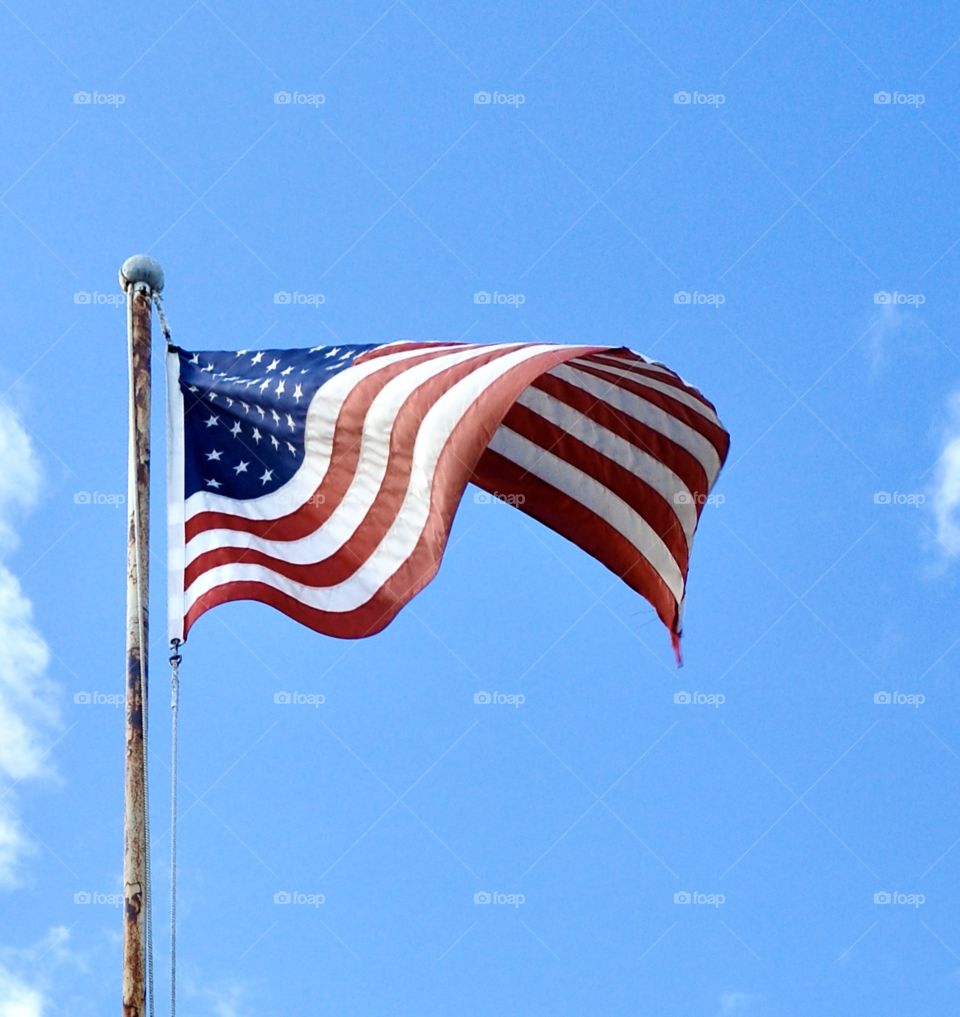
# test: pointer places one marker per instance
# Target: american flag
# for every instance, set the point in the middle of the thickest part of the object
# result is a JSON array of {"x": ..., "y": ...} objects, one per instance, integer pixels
[{"x": 324, "y": 481}]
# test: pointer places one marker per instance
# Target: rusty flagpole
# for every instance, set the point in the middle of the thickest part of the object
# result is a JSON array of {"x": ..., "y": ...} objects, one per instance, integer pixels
[{"x": 140, "y": 278}]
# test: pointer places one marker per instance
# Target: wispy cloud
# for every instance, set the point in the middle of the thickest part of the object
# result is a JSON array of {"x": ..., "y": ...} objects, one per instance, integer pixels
[
  {"x": 945, "y": 501},
  {"x": 735, "y": 1002},
  {"x": 27, "y": 695},
  {"x": 17, "y": 999},
  {"x": 891, "y": 332}
]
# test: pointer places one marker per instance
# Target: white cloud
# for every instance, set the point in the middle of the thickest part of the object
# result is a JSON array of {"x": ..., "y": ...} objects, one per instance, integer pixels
[
  {"x": 735, "y": 1002},
  {"x": 27, "y": 695},
  {"x": 946, "y": 484},
  {"x": 17, "y": 999},
  {"x": 892, "y": 332}
]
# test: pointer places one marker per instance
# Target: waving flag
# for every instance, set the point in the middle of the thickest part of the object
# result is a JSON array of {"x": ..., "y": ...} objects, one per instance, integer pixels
[{"x": 324, "y": 481}]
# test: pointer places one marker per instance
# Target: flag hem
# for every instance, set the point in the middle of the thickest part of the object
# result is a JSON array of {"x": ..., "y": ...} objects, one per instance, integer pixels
[{"x": 176, "y": 548}]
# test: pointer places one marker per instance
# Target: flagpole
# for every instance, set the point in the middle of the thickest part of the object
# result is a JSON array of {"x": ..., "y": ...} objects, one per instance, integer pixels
[{"x": 140, "y": 278}]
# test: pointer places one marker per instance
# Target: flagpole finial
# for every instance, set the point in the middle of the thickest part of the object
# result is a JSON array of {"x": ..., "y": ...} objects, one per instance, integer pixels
[{"x": 141, "y": 269}]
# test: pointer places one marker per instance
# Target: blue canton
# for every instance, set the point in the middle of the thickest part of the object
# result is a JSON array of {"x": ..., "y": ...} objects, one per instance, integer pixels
[{"x": 245, "y": 411}]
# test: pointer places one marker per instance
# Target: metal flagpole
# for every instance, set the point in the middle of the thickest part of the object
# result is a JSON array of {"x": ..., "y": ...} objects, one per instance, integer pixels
[{"x": 140, "y": 278}]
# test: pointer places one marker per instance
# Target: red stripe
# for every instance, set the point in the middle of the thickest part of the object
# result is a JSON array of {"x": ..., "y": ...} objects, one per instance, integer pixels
[
  {"x": 345, "y": 453},
  {"x": 382, "y": 512},
  {"x": 456, "y": 463},
  {"x": 639, "y": 495},
  {"x": 649, "y": 371},
  {"x": 714, "y": 434},
  {"x": 576, "y": 522},
  {"x": 674, "y": 456}
]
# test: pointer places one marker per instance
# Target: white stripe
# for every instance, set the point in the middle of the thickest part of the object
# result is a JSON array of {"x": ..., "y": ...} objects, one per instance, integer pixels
[
  {"x": 624, "y": 453},
  {"x": 405, "y": 531},
  {"x": 318, "y": 434},
  {"x": 646, "y": 413},
  {"x": 367, "y": 477},
  {"x": 175, "y": 534},
  {"x": 670, "y": 390},
  {"x": 595, "y": 496}
]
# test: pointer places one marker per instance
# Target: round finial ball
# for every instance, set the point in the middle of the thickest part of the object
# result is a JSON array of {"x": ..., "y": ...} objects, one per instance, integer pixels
[{"x": 141, "y": 269}]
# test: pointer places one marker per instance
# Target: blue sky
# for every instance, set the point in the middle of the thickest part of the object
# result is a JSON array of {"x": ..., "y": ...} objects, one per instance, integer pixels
[{"x": 765, "y": 198}]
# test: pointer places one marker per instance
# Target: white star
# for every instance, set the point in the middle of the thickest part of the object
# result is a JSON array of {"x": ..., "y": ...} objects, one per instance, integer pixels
[
  {"x": 211, "y": 396},
  {"x": 281, "y": 387},
  {"x": 242, "y": 353},
  {"x": 272, "y": 366},
  {"x": 293, "y": 450},
  {"x": 276, "y": 416},
  {"x": 241, "y": 467},
  {"x": 334, "y": 350},
  {"x": 256, "y": 359},
  {"x": 192, "y": 388},
  {"x": 274, "y": 442},
  {"x": 213, "y": 456},
  {"x": 290, "y": 423},
  {"x": 257, "y": 435},
  {"x": 195, "y": 359},
  {"x": 346, "y": 356},
  {"x": 213, "y": 483},
  {"x": 303, "y": 370},
  {"x": 298, "y": 392},
  {"x": 235, "y": 430},
  {"x": 264, "y": 384},
  {"x": 287, "y": 370},
  {"x": 246, "y": 407},
  {"x": 267, "y": 476},
  {"x": 213, "y": 421},
  {"x": 207, "y": 369},
  {"x": 317, "y": 349},
  {"x": 260, "y": 411}
]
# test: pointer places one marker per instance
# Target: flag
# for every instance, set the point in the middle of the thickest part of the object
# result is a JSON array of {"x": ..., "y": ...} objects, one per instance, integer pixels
[{"x": 324, "y": 481}]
